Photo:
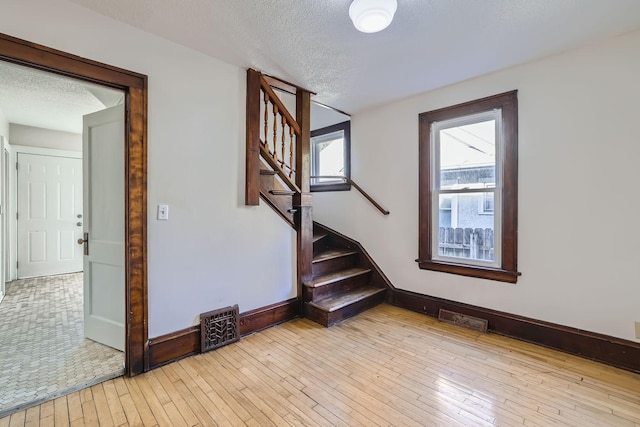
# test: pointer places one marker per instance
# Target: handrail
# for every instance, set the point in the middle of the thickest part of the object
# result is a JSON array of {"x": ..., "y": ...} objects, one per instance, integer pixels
[
  {"x": 273, "y": 98},
  {"x": 364, "y": 193}
]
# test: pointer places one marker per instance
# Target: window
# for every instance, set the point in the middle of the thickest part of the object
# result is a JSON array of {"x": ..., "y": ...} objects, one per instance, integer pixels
[
  {"x": 469, "y": 188},
  {"x": 486, "y": 204},
  {"x": 330, "y": 156}
]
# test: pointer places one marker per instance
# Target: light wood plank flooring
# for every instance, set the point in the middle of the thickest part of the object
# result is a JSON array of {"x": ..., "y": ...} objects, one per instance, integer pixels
[{"x": 387, "y": 366}]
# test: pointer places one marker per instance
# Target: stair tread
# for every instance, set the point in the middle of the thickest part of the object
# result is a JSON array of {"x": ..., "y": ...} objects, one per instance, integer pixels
[
  {"x": 326, "y": 279},
  {"x": 319, "y": 236},
  {"x": 267, "y": 172},
  {"x": 343, "y": 299},
  {"x": 282, "y": 192},
  {"x": 332, "y": 253}
]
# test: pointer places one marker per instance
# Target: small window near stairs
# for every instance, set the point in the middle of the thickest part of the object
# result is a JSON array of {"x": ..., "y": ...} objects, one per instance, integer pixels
[{"x": 330, "y": 158}]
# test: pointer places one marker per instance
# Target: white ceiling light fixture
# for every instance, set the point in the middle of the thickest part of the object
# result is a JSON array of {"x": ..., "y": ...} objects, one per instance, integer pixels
[{"x": 371, "y": 16}]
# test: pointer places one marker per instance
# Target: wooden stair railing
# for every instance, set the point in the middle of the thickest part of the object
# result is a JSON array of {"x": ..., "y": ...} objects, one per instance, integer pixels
[{"x": 278, "y": 159}]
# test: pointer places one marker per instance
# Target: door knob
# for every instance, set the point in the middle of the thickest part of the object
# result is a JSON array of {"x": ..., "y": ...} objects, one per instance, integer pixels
[{"x": 85, "y": 241}]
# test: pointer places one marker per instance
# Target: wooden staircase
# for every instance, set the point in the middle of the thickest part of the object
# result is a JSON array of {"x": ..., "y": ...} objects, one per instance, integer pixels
[
  {"x": 277, "y": 194},
  {"x": 336, "y": 279},
  {"x": 344, "y": 282}
]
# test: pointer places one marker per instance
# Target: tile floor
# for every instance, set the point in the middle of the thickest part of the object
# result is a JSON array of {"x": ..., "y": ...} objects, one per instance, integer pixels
[{"x": 43, "y": 352}]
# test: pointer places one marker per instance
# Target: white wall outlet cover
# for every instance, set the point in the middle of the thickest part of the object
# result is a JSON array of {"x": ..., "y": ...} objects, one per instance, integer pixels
[{"x": 163, "y": 212}]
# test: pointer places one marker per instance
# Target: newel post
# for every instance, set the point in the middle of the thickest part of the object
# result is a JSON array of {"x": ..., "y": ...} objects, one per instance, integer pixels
[
  {"x": 302, "y": 202},
  {"x": 252, "y": 173}
]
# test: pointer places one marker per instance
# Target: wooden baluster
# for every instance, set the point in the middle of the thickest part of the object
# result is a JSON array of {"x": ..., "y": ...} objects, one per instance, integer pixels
[
  {"x": 282, "y": 157},
  {"x": 291, "y": 151},
  {"x": 266, "y": 120},
  {"x": 275, "y": 132}
]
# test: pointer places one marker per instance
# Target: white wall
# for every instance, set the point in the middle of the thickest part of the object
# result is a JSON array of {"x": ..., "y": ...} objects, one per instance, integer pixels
[
  {"x": 322, "y": 116},
  {"x": 4, "y": 141},
  {"x": 45, "y": 138},
  {"x": 4, "y": 125},
  {"x": 213, "y": 251},
  {"x": 579, "y": 148}
]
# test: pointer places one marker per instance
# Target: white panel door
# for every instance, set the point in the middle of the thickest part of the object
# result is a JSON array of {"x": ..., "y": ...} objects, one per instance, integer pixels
[
  {"x": 3, "y": 207},
  {"x": 49, "y": 215},
  {"x": 104, "y": 273}
]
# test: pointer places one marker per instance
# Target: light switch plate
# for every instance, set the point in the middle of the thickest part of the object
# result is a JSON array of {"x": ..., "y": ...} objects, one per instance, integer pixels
[
  {"x": 163, "y": 212},
  {"x": 638, "y": 330}
]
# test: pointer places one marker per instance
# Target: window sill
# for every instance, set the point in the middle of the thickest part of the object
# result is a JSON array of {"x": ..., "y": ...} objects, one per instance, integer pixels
[
  {"x": 488, "y": 273},
  {"x": 341, "y": 186}
]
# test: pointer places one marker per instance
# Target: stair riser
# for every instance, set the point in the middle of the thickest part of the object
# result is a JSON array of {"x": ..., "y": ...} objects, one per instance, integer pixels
[
  {"x": 354, "y": 309},
  {"x": 315, "y": 314},
  {"x": 280, "y": 203},
  {"x": 335, "y": 264},
  {"x": 266, "y": 182},
  {"x": 314, "y": 294},
  {"x": 320, "y": 245},
  {"x": 329, "y": 319}
]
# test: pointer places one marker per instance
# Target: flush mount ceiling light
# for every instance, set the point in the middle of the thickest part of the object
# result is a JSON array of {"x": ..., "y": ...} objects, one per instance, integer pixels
[{"x": 371, "y": 16}]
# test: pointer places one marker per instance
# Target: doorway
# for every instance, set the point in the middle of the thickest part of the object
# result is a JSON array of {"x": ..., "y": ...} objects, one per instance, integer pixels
[
  {"x": 134, "y": 86},
  {"x": 63, "y": 319}
]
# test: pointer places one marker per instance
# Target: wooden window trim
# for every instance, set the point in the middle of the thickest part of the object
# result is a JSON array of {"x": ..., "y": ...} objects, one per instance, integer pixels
[
  {"x": 341, "y": 186},
  {"x": 508, "y": 272},
  {"x": 134, "y": 86}
]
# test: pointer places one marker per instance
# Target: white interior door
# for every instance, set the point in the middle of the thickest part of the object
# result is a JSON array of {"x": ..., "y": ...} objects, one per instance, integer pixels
[
  {"x": 49, "y": 215},
  {"x": 104, "y": 274},
  {"x": 3, "y": 208},
  {"x": 6, "y": 220}
]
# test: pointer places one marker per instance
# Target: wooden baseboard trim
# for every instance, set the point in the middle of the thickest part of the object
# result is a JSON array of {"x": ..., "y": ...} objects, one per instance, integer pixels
[
  {"x": 176, "y": 345},
  {"x": 265, "y": 317},
  {"x": 590, "y": 345},
  {"x": 186, "y": 342}
]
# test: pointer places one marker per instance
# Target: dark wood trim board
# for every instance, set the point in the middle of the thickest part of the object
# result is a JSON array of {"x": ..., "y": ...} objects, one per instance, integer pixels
[
  {"x": 186, "y": 342},
  {"x": 174, "y": 346},
  {"x": 602, "y": 348}
]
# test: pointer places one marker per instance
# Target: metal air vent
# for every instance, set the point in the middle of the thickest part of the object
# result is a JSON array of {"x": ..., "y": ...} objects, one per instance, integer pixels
[
  {"x": 219, "y": 327},
  {"x": 463, "y": 320}
]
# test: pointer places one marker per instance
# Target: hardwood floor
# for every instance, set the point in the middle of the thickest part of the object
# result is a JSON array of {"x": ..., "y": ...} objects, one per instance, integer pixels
[{"x": 387, "y": 366}]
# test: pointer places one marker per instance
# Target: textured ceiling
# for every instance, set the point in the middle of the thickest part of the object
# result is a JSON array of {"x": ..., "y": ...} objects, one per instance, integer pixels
[
  {"x": 34, "y": 98},
  {"x": 430, "y": 43}
]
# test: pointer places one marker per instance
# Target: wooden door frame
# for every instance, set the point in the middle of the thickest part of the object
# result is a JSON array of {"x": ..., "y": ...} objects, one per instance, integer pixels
[{"x": 134, "y": 86}]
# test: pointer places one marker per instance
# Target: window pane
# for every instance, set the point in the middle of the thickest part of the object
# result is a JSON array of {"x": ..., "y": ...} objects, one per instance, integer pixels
[
  {"x": 445, "y": 210},
  {"x": 468, "y": 156},
  {"x": 463, "y": 232},
  {"x": 329, "y": 159},
  {"x": 487, "y": 202}
]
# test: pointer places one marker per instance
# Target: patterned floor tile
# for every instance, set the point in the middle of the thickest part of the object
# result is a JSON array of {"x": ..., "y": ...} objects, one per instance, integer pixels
[{"x": 43, "y": 351}]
